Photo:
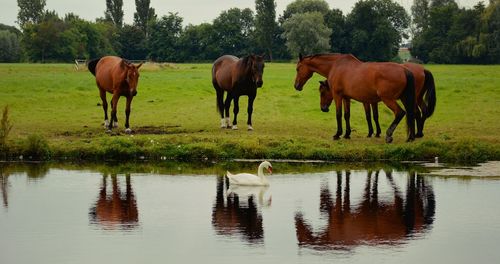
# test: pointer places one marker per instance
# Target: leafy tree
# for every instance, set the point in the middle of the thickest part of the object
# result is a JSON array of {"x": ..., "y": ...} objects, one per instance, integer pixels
[
  {"x": 198, "y": 43},
  {"x": 265, "y": 25},
  {"x": 339, "y": 40},
  {"x": 233, "y": 30},
  {"x": 30, "y": 11},
  {"x": 377, "y": 27},
  {"x": 133, "y": 43},
  {"x": 144, "y": 15},
  {"x": 304, "y": 6},
  {"x": 10, "y": 49},
  {"x": 114, "y": 12},
  {"x": 420, "y": 14},
  {"x": 306, "y": 33},
  {"x": 164, "y": 39}
]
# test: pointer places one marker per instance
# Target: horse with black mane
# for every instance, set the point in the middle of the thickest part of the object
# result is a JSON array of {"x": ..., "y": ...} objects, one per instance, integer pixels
[
  {"x": 237, "y": 77},
  {"x": 119, "y": 77},
  {"x": 366, "y": 82}
]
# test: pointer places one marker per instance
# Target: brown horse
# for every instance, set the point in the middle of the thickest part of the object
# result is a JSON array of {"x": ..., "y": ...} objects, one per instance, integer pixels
[
  {"x": 349, "y": 78},
  {"x": 236, "y": 77},
  {"x": 424, "y": 87},
  {"x": 118, "y": 77},
  {"x": 375, "y": 219},
  {"x": 425, "y": 95}
]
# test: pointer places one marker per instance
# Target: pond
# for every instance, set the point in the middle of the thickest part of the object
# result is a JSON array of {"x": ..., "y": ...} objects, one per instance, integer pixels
[{"x": 187, "y": 213}]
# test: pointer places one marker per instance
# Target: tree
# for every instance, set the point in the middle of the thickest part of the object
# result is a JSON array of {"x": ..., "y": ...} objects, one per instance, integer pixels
[
  {"x": 133, "y": 44},
  {"x": 164, "y": 39},
  {"x": 306, "y": 33},
  {"x": 144, "y": 15},
  {"x": 30, "y": 11},
  {"x": 339, "y": 40},
  {"x": 265, "y": 25},
  {"x": 420, "y": 14},
  {"x": 114, "y": 12},
  {"x": 198, "y": 43},
  {"x": 233, "y": 30},
  {"x": 304, "y": 6},
  {"x": 376, "y": 29},
  {"x": 10, "y": 49}
]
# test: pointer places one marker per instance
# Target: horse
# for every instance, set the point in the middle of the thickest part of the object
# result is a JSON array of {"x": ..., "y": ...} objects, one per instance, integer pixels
[
  {"x": 390, "y": 217},
  {"x": 119, "y": 77},
  {"x": 366, "y": 82},
  {"x": 424, "y": 86},
  {"x": 237, "y": 77}
]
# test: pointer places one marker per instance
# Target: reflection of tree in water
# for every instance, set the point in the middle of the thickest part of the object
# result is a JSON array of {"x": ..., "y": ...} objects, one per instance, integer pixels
[
  {"x": 32, "y": 170},
  {"x": 230, "y": 216},
  {"x": 4, "y": 186},
  {"x": 115, "y": 209},
  {"x": 372, "y": 221}
]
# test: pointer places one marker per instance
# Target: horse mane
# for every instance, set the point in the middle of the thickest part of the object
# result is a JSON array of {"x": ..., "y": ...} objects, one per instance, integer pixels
[{"x": 330, "y": 54}]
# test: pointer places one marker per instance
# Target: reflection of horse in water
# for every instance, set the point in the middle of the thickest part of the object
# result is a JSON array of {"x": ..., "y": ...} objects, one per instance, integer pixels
[
  {"x": 232, "y": 216},
  {"x": 372, "y": 221},
  {"x": 115, "y": 209}
]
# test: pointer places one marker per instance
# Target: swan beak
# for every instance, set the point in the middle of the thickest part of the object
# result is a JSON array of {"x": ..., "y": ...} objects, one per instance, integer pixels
[{"x": 270, "y": 170}]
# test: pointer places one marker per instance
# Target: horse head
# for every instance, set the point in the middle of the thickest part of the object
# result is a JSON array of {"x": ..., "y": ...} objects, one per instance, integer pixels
[
  {"x": 255, "y": 64},
  {"x": 131, "y": 76},
  {"x": 303, "y": 73},
  {"x": 325, "y": 95}
]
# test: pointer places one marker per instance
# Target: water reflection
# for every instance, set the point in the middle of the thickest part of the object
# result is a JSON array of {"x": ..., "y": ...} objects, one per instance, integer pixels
[
  {"x": 372, "y": 221},
  {"x": 115, "y": 209},
  {"x": 236, "y": 212}
]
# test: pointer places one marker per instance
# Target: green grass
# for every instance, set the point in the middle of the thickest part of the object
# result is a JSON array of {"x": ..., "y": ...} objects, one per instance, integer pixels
[{"x": 62, "y": 107}]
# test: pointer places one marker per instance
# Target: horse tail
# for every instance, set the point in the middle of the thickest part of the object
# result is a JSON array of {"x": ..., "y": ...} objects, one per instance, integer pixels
[
  {"x": 92, "y": 64},
  {"x": 430, "y": 95},
  {"x": 219, "y": 92},
  {"x": 408, "y": 99}
]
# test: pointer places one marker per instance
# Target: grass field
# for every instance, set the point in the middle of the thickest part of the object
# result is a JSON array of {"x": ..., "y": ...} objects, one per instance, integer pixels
[{"x": 55, "y": 111}]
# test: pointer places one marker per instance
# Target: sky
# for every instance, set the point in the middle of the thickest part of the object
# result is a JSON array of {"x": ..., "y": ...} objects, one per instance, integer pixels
[{"x": 193, "y": 11}]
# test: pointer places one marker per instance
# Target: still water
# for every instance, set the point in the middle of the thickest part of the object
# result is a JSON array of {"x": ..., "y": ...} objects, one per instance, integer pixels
[{"x": 309, "y": 214}]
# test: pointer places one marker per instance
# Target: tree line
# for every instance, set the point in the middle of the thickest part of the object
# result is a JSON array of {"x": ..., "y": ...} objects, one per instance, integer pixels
[{"x": 437, "y": 31}]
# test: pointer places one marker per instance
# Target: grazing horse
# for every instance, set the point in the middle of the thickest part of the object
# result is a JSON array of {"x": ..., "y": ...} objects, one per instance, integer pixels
[
  {"x": 388, "y": 218},
  {"x": 349, "y": 78},
  {"x": 237, "y": 77},
  {"x": 424, "y": 86},
  {"x": 118, "y": 77}
]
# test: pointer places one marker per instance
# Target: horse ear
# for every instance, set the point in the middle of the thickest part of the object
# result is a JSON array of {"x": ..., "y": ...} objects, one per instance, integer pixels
[
  {"x": 300, "y": 56},
  {"x": 140, "y": 64}
]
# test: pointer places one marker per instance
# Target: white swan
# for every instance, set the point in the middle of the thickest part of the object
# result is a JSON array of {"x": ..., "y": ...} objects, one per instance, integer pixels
[{"x": 251, "y": 179}]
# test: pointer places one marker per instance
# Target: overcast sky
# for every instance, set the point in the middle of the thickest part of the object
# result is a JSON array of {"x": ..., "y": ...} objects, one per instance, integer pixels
[{"x": 193, "y": 11}]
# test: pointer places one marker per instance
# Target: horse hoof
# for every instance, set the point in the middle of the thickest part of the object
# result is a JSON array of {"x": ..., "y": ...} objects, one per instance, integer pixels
[
  {"x": 336, "y": 137},
  {"x": 223, "y": 123},
  {"x": 419, "y": 135},
  {"x": 115, "y": 124},
  {"x": 388, "y": 139},
  {"x": 250, "y": 128},
  {"x": 128, "y": 131},
  {"x": 235, "y": 127},
  {"x": 347, "y": 137},
  {"x": 377, "y": 135},
  {"x": 410, "y": 139},
  {"x": 369, "y": 136},
  {"x": 108, "y": 131},
  {"x": 106, "y": 123}
]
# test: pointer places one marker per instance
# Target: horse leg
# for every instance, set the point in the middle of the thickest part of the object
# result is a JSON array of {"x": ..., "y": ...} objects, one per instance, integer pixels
[
  {"x": 251, "y": 98},
  {"x": 375, "y": 118},
  {"x": 236, "y": 109},
  {"x": 347, "y": 116},
  {"x": 127, "y": 114},
  {"x": 220, "y": 106},
  {"x": 114, "y": 105},
  {"x": 399, "y": 113},
  {"x": 338, "y": 115},
  {"x": 227, "y": 105},
  {"x": 419, "y": 118},
  {"x": 102, "y": 93},
  {"x": 368, "y": 119}
]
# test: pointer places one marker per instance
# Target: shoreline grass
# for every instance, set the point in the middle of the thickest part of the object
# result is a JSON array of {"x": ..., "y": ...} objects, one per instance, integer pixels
[{"x": 56, "y": 115}]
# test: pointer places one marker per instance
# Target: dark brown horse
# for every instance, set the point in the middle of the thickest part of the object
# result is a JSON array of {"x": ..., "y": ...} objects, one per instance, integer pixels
[
  {"x": 118, "y": 77},
  {"x": 237, "y": 77},
  {"x": 375, "y": 220},
  {"x": 349, "y": 78}
]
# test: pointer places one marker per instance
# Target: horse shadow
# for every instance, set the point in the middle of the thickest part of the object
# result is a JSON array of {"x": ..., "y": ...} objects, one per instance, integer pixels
[
  {"x": 115, "y": 208},
  {"x": 372, "y": 221},
  {"x": 236, "y": 214}
]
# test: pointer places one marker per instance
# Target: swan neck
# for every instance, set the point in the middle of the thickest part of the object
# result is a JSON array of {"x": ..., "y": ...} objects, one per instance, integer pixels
[{"x": 260, "y": 171}]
